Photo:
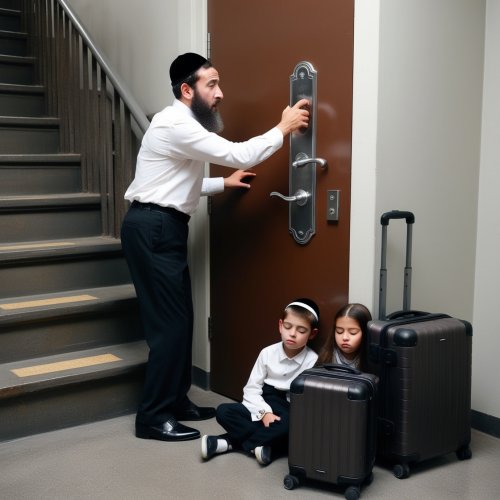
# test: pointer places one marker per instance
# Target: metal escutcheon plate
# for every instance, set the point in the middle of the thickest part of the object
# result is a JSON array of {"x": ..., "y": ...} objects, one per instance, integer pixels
[{"x": 302, "y": 224}]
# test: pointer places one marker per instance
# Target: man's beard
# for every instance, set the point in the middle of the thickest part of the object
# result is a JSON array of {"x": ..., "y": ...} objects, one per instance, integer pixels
[{"x": 209, "y": 118}]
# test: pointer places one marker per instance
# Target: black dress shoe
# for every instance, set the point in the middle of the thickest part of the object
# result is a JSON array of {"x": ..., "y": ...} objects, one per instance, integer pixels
[
  {"x": 193, "y": 412},
  {"x": 171, "y": 430}
]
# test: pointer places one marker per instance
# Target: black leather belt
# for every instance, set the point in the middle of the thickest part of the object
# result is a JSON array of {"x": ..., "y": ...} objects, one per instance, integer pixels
[{"x": 153, "y": 207}]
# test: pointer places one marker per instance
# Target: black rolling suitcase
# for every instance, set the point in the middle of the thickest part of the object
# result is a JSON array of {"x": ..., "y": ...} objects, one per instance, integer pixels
[
  {"x": 423, "y": 361},
  {"x": 332, "y": 428}
]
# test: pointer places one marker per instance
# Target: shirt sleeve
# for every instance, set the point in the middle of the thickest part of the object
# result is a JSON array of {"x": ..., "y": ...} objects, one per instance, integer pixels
[
  {"x": 212, "y": 185},
  {"x": 186, "y": 139},
  {"x": 252, "y": 392}
]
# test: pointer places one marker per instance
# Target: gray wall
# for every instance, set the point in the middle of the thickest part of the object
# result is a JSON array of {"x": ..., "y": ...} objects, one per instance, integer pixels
[
  {"x": 425, "y": 122},
  {"x": 485, "y": 386}
]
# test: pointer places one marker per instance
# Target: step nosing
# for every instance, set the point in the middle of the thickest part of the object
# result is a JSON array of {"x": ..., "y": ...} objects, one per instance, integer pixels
[
  {"x": 69, "y": 364},
  {"x": 10, "y": 12},
  {"x": 26, "y": 386},
  {"x": 33, "y": 158},
  {"x": 49, "y": 201},
  {"x": 127, "y": 351},
  {"x": 50, "y": 372},
  {"x": 20, "y": 87},
  {"x": 63, "y": 254},
  {"x": 7, "y": 58},
  {"x": 54, "y": 306},
  {"x": 13, "y": 34},
  {"x": 29, "y": 121},
  {"x": 30, "y": 304},
  {"x": 36, "y": 246}
]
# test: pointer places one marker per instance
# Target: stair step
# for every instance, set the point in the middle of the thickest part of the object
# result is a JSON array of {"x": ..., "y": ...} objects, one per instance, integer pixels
[
  {"x": 40, "y": 174},
  {"x": 17, "y": 70},
  {"x": 61, "y": 265},
  {"x": 56, "y": 323},
  {"x": 10, "y": 19},
  {"x": 30, "y": 135},
  {"x": 13, "y": 43},
  {"x": 70, "y": 389},
  {"x": 48, "y": 201},
  {"x": 54, "y": 249},
  {"x": 10, "y": 4},
  {"x": 49, "y": 217},
  {"x": 22, "y": 100},
  {"x": 71, "y": 348},
  {"x": 26, "y": 376}
]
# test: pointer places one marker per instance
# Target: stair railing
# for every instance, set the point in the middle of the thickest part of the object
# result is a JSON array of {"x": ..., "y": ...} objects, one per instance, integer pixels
[{"x": 99, "y": 118}]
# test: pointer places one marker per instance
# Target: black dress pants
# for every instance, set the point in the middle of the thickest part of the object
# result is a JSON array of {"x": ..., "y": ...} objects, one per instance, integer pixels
[
  {"x": 154, "y": 241},
  {"x": 245, "y": 434}
]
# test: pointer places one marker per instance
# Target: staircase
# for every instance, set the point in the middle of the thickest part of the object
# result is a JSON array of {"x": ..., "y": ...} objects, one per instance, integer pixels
[{"x": 70, "y": 339}]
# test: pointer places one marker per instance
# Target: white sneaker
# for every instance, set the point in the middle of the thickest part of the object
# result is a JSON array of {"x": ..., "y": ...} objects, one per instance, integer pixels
[
  {"x": 263, "y": 455},
  {"x": 208, "y": 446}
]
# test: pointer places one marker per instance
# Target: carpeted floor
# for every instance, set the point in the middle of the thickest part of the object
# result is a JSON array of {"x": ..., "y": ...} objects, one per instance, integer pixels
[{"x": 106, "y": 461}]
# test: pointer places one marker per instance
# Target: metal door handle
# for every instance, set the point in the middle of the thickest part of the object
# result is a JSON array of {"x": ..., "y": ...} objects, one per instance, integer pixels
[
  {"x": 300, "y": 196},
  {"x": 303, "y": 159}
]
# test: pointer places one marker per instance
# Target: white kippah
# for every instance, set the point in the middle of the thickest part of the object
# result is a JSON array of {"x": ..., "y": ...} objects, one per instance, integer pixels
[{"x": 305, "y": 306}]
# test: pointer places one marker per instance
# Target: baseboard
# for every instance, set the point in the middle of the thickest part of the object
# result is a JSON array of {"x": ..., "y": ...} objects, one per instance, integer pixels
[
  {"x": 201, "y": 378},
  {"x": 485, "y": 423}
]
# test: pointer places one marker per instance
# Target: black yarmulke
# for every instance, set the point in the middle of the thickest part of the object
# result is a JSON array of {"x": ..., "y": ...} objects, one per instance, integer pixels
[{"x": 184, "y": 65}]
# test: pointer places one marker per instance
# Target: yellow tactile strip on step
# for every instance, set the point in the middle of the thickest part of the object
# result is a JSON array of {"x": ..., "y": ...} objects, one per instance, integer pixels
[
  {"x": 30, "y": 246},
  {"x": 70, "y": 364},
  {"x": 46, "y": 302}
]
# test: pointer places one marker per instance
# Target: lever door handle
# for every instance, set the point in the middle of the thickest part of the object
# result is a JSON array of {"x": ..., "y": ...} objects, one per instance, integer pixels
[
  {"x": 300, "y": 196},
  {"x": 304, "y": 160}
]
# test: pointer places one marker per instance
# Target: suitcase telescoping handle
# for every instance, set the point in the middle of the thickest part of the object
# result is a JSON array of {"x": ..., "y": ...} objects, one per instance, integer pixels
[{"x": 384, "y": 220}]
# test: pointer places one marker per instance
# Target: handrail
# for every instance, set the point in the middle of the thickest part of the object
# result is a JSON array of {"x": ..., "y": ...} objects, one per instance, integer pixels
[
  {"x": 136, "y": 111},
  {"x": 98, "y": 117}
]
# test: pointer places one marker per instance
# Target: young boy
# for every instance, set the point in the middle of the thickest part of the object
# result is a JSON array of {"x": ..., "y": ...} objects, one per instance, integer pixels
[{"x": 259, "y": 425}]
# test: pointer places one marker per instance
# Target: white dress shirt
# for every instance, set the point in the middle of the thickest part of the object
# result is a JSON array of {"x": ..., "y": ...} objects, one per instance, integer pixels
[
  {"x": 273, "y": 367},
  {"x": 174, "y": 149}
]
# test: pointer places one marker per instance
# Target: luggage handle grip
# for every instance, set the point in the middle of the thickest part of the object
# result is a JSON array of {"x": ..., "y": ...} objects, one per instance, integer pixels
[
  {"x": 397, "y": 214},
  {"x": 384, "y": 220},
  {"x": 340, "y": 368},
  {"x": 409, "y": 314}
]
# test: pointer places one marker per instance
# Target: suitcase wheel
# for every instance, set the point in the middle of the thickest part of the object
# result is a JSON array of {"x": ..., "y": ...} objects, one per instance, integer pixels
[
  {"x": 291, "y": 482},
  {"x": 464, "y": 453},
  {"x": 401, "y": 471},
  {"x": 352, "y": 493}
]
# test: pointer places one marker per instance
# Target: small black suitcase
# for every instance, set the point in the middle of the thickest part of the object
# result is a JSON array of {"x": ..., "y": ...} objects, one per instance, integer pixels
[
  {"x": 423, "y": 361},
  {"x": 332, "y": 428}
]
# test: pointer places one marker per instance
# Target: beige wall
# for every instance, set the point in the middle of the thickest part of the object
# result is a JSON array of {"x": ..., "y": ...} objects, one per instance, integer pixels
[
  {"x": 140, "y": 43},
  {"x": 420, "y": 142},
  {"x": 143, "y": 39},
  {"x": 425, "y": 138}
]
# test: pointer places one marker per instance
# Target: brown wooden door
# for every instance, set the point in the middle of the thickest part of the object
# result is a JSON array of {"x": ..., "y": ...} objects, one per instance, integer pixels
[{"x": 256, "y": 266}]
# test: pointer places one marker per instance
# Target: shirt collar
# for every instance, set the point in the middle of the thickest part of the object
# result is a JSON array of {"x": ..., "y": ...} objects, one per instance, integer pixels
[
  {"x": 299, "y": 358},
  {"x": 183, "y": 108}
]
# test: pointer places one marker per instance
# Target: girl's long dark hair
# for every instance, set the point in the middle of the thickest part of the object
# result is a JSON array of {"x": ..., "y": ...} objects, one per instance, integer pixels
[{"x": 359, "y": 313}]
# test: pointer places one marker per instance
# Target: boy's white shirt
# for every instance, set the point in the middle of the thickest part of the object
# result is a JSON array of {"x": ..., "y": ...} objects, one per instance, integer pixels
[{"x": 273, "y": 367}]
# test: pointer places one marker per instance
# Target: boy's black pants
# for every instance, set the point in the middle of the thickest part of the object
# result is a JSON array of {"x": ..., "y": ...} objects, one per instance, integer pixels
[{"x": 245, "y": 434}]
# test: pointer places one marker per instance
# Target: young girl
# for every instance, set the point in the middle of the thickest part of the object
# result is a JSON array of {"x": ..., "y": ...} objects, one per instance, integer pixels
[{"x": 345, "y": 345}]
